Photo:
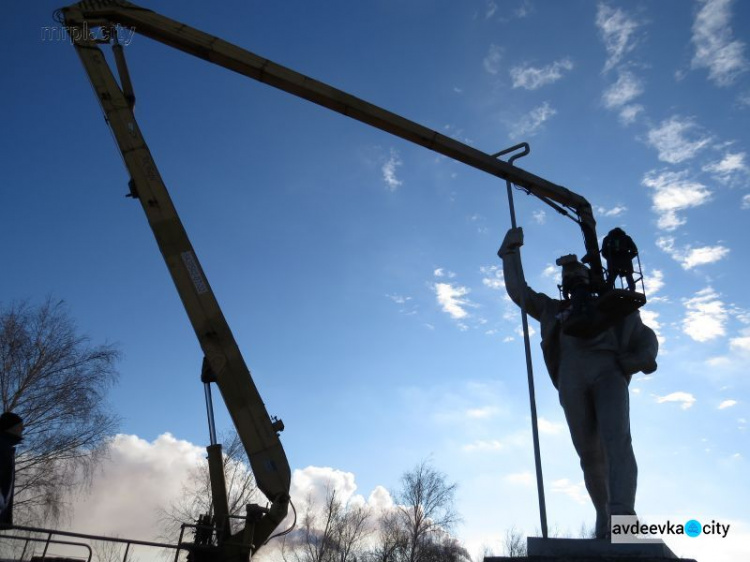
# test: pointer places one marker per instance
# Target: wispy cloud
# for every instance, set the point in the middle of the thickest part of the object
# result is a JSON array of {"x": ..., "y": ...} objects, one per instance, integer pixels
[
  {"x": 550, "y": 427},
  {"x": 389, "y": 171},
  {"x": 532, "y": 78},
  {"x": 452, "y": 299},
  {"x": 532, "y": 122},
  {"x": 706, "y": 316},
  {"x": 441, "y": 272},
  {"x": 690, "y": 257},
  {"x": 491, "y": 9},
  {"x": 540, "y": 216},
  {"x": 626, "y": 89},
  {"x": 685, "y": 399},
  {"x": 727, "y": 404},
  {"x": 525, "y": 478},
  {"x": 745, "y": 204},
  {"x": 629, "y": 113},
  {"x": 482, "y": 413},
  {"x": 399, "y": 299},
  {"x": 484, "y": 446},
  {"x": 576, "y": 492},
  {"x": 674, "y": 192},
  {"x": 492, "y": 277},
  {"x": 740, "y": 344},
  {"x": 493, "y": 59},
  {"x": 618, "y": 96},
  {"x": 615, "y": 211},
  {"x": 618, "y": 32},
  {"x": 654, "y": 281},
  {"x": 677, "y": 139},
  {"x": 728, "y": 168},
  {"x": 715, "y": 48},
  {"x": 651, "y": 319}
]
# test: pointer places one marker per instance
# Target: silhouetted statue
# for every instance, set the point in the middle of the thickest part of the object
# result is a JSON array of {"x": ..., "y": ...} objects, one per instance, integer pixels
[
  {"x": 619, "y": 250},
  {"x": 592, "y": 377}
]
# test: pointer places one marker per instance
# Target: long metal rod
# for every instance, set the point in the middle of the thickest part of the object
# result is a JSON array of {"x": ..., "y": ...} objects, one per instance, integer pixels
[{"x": 527, "y": 349}]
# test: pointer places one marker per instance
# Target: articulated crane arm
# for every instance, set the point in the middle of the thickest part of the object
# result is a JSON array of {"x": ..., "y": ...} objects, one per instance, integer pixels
[
  {"x": 146, "y": 22},
  {"x": 257, "y": 430}
]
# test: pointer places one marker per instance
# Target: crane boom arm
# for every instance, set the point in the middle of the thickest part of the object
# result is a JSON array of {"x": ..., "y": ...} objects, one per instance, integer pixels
[
  {"x": 232, "y": 57},
  {"x": 256, "y": 429}
]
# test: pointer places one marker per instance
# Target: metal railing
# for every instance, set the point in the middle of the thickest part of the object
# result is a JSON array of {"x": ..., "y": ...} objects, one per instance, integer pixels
[{"x": 53, "y": 532}]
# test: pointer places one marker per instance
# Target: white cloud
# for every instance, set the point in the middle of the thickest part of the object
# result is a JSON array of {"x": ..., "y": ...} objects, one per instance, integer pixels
[
  {"x": 482, "y": 413},
  {"x": 715, "y": 49},
  {"x": 619, "y": 96},
  {"x": 532, "y": 78},
  {"x": 484, "y": 445},
  {"x": 690, "y": 257},
  {"x": 530, "y": 123},
  {"x": 491, "y": 9},
  {"x": 451, "y": 299},
  {"x": 493, "y": 277},
  {"x": 673, "y": 192},
  {"x": 550, "y": 427},
  {"x": 493, "y": 58},
  {"x": 389, "y": 171},
  {"x": 741, "y": 344},
  {"x": 685, "y": 399},
  {"x": 577, "y": 492},
  {"x": 706, "y": 316},
  {"x": 615, "y": 211},
  {"x": 132, "y": 483},
  {"x": 651, "y": 319},
  {"x": 618, "y": 31},
  {"x": 626, "y": 89},
  {"x": 629, "y": 113},
  {"x": 729, "y": 167},
  {"x": 677, "y": 139},
  {"x": 745, "y": 201},
  {"x": 399, "y": 299},
  {"x": 727, "y": 404},
  {"x": 703, "y": 255},
  {"x": 525, "y": 478},
  {"x": 540, "y": 217},
  {"x": 313, "y": 483},
  {"x": 654, "y": 282}
]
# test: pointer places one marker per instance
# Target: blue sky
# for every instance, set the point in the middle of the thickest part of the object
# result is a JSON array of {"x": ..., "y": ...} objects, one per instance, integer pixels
[{"x": 358, "y": 272}]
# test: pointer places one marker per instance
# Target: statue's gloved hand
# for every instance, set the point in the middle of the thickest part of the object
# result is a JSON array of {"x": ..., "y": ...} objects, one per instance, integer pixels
[
  {"x": 512, "y": 241},
  {"x": 632, "y": 363}
]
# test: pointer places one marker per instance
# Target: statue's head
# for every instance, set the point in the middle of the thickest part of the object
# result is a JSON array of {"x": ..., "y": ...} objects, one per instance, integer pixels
[{"x": 574, "y": 274}]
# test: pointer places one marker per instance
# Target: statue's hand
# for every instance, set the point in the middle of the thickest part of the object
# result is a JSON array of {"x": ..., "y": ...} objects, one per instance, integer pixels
[{"x": 513, "y": 240}]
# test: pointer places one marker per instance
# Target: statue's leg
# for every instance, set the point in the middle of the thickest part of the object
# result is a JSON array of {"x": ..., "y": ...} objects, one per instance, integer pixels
[
  {"x": 578, "y": 405},
  {"x": 612, "y": 403}
]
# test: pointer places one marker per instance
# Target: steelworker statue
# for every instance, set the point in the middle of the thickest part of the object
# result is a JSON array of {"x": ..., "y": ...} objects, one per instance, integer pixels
[{"x": 592, "y": 377}]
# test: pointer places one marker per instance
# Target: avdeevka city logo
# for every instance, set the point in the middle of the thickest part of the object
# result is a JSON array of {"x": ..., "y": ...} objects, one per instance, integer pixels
[
  {"x": 628, "y": 529},
  {"x": 693, "y": 528}
]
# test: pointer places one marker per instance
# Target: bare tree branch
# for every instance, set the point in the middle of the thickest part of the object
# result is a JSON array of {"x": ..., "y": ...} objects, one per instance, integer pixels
[{"x": 57, "y": 382}]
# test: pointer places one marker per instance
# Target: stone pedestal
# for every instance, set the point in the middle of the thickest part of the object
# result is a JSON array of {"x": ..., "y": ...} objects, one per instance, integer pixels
[{"x": 591, "y": 550}]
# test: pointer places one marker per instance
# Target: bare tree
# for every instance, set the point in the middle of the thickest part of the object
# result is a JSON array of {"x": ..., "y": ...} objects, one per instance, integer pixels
[
  {"x": 392, "y": 540},
  {"x": 196, "y": 498},
  {"x": 426, "y": 508},
  {"x": 514, "y": 543},
  {"x": 57, "y": 382},
  {"x": 335, "y": 533}
]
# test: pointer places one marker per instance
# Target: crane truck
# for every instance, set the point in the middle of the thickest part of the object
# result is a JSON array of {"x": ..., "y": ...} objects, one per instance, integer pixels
[{"x": 94, "y": 23}]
